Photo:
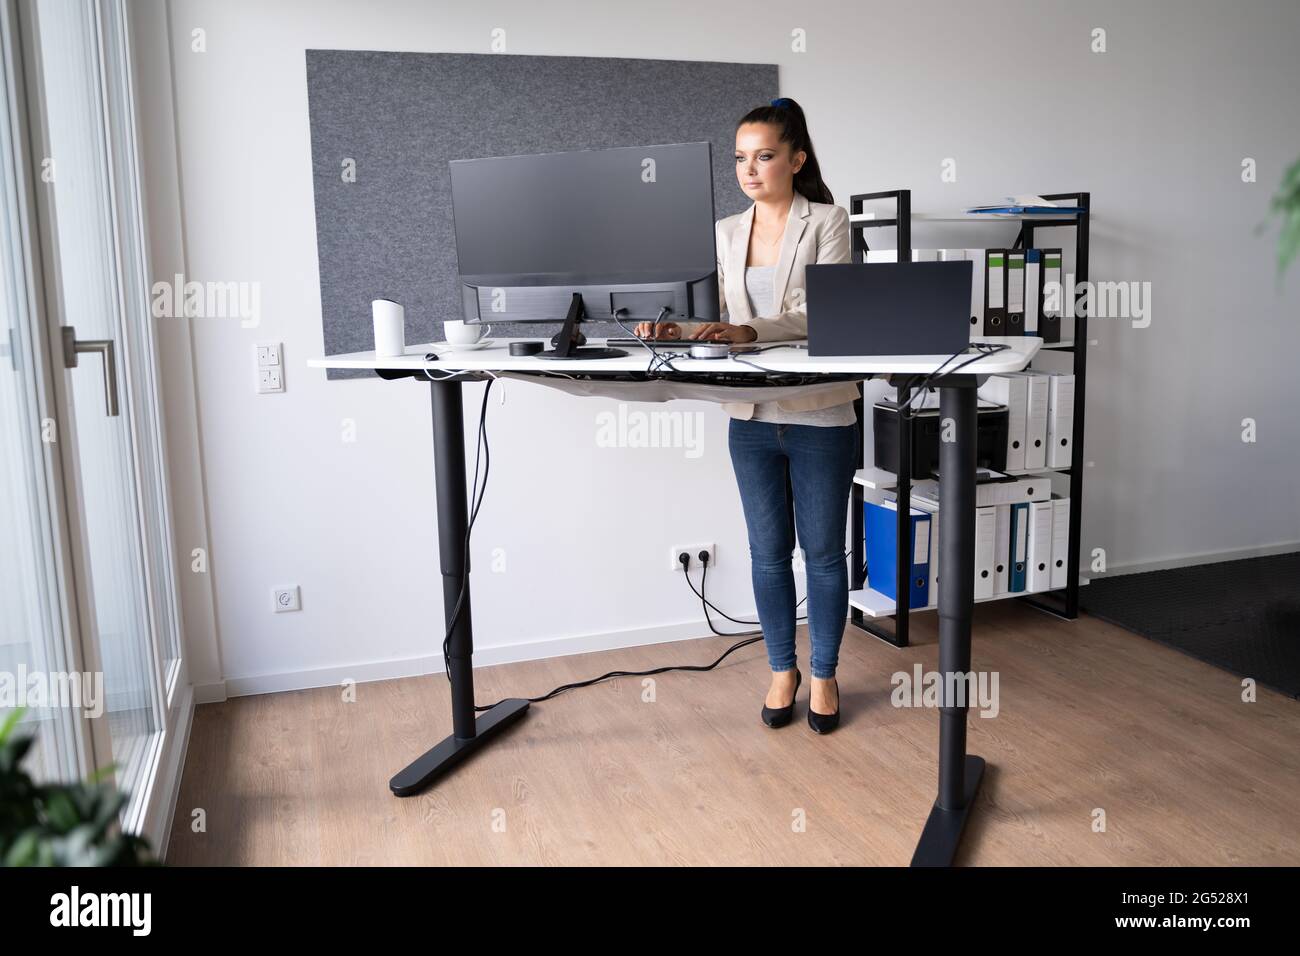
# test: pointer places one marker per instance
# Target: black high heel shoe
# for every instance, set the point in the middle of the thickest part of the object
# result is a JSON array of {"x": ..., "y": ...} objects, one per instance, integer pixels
[
  {"x": 825, "y": 723},
  {"x": 780, "y": 716}
]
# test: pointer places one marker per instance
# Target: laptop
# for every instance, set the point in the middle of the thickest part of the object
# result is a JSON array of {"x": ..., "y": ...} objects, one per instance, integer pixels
[{"x": 888, "y": 308}]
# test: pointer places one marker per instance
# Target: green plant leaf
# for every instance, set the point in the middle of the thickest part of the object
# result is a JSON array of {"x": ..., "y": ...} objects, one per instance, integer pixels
[
  {"x": 102, "y": 774},
  {"x": 59, "y": 824},
  {"x": 10, "y": 722},
  {"x": 61, "y": 811},
  {"x": 24, "y": 851},
  {"x": 1286, "y": 205},
  {"x": 1288, "y": 243}
]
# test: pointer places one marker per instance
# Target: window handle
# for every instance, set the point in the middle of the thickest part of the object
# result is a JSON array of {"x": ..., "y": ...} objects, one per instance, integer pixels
[{"x": 72, "y": 345}]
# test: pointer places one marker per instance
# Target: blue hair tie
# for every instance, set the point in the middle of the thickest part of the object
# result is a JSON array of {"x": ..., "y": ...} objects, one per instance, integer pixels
[{"x": 781, "y": 102}]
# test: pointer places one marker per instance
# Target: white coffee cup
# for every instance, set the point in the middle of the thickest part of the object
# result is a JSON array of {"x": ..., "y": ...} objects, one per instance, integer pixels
[
  {"x": 460, "y": 332},
  {"x": 390, "y": 327}
]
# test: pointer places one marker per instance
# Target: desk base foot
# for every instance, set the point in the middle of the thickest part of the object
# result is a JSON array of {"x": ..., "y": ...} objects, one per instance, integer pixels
[
  {"x": 452, "y": 750},
  {"x": 942, "y": 833}
]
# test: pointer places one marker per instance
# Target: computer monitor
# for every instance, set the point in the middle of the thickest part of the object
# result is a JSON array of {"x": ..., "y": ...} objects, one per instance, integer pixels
[{"x": 587, "y": 234}]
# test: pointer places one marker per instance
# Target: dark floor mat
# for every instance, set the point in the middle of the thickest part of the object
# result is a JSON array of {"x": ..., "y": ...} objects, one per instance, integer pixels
[{"x": 1243, "y": 616}]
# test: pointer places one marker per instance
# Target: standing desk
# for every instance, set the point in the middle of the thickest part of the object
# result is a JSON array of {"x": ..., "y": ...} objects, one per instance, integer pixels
[{"x": 960, "y": 773}]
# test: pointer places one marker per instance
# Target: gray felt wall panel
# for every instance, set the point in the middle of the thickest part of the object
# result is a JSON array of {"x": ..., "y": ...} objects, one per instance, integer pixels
[{"x": 402, "y": 116}]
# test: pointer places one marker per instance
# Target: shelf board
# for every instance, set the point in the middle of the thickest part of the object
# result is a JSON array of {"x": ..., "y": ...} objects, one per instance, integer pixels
[
  {"x": 1038, "y": 218},
  {"x": 1058, "y": 345},
  {"x": 874, "y": 604},
  {"x": 1029, "y": 472},
  {"x": 1064, "y": 218},
  {"x": 875, "y": 478}
]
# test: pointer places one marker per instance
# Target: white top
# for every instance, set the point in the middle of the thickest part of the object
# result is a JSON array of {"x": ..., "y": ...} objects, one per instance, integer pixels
[
  {"x": 758, "y": 283},
  {"x": 786, "y": 358},
  {"x": 496, "y": 358}
]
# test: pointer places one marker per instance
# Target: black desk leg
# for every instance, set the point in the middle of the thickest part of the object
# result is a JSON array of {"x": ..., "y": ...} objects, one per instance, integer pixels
[
  {"x": 468, "y": 733},
  {"x": 959, "y": 773}
]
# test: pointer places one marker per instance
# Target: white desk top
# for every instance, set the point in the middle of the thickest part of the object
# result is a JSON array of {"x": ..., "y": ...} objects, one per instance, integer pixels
[{"x": 497, "y": 358}]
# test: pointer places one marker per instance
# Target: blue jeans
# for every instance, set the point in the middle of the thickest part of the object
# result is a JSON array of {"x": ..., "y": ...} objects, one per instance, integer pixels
[{"x": 819, "y": 462}]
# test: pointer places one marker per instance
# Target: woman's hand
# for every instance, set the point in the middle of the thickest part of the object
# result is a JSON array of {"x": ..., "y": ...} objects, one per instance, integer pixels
[
  {"x": 724, "y": 332},
  {"x": 664, "y": 330}
]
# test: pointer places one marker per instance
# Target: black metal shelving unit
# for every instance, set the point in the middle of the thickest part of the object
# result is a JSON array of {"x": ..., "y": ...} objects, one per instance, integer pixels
[{"x": 1063, "y": 602}]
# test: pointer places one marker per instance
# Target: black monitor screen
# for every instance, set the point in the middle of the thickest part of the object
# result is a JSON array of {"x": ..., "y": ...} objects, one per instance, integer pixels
[{"x": 628, "y": 214}]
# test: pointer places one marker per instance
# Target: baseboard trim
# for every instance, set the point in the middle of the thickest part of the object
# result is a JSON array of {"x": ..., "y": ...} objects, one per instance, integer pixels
[
  {"x": 483, "y": 657},
  {"x": 1205, "y": 557},
  {"x": 213, "y": 693},
  {"x": 364, "y": 672}
]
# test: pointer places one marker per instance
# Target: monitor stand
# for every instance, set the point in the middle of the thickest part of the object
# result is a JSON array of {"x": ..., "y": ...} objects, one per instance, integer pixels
[{"x": 569, "y": 340}]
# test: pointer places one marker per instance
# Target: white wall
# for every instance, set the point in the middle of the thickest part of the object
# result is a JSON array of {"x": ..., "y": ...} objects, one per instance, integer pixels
[{"x": 1155, "y": 128}]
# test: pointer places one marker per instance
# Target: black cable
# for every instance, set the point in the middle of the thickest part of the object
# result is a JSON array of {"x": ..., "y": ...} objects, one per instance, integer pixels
[
  {"x": 477, "y": 495},
  {"x": 771, "y": 373},
  {"x": 659, "y": 670},
  {"x": 909, "y": 412},
  {"x": 745, "y": 361},
  {"x": 704, "y": 576},
  {"x": 983, "y": 350},
  {"x": 476, "y": 499},
  {"x": 648, "y": 673},
  {"x": 707, "y": 604},
  {"x": 664, "y": 360},
  {"x": 778, "y": 378},
  {"x": 657, "y": 358},
  {"x": 654, "y": 670}
]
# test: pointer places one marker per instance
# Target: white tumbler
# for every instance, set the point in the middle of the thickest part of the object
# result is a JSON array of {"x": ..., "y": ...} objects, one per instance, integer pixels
[{"x": 390, "y": 327}]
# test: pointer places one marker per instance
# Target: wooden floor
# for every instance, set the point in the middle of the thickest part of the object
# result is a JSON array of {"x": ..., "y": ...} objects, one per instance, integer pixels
[{"x": 1092, "y": 718}]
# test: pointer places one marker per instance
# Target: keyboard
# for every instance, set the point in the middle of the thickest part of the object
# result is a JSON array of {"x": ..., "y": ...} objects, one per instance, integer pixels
[{"x": 660, "y": 343}]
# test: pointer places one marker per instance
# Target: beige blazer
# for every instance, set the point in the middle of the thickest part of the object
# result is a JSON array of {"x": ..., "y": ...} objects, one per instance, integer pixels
[{"x": 814, "y": 232}]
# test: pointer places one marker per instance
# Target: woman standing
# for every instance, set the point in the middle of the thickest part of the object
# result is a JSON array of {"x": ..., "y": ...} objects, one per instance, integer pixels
[{"x": 810, "y": 443}]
